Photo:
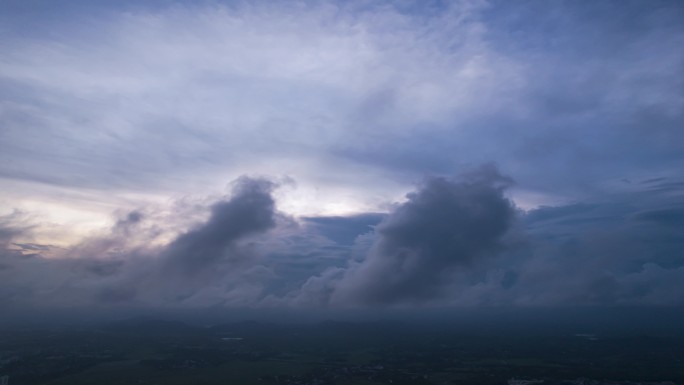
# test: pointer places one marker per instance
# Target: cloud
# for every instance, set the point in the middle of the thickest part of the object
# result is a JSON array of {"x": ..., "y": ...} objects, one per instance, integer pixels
[
  {"x": 344, "y": 230},
  {"x": 444, "y": 226},
  {"x": 210, "y": 263},
  {"x": 125, "y": 225},
  {"x": 119, "y": 267},
  {"x": 13, "y": 225},
  {"x": 174, "y": 98},
  {"x": 249, "y": 211},
  {"x": 190, "y": 92},
  {"x": 457, "y": 242},
  {"x": 670, "y": 216},
  {"x": 622, "y": 249}
]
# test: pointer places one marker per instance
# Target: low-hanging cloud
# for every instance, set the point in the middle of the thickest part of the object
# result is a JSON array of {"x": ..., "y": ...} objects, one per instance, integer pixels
[
  {"x": 250, "y": 210},
  {"x": 452, "y": 242},
  {"x": 114, "y": 268},
  {"x": 443, "y": 226}
]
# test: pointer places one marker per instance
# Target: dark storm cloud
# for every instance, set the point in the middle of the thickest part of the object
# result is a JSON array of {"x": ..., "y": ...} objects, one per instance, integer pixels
[
  {"x": 250, "y": 210},
  {"x": 443, "y": 226}
]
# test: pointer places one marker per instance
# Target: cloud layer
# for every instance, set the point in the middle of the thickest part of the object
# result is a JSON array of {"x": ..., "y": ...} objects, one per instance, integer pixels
[
  {"x": 178, "y": 98},
  {"x": 453, "y": 241}
]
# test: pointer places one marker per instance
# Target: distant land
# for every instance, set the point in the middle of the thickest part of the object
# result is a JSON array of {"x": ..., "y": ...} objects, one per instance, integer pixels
[{"x": 480, "y": 348}]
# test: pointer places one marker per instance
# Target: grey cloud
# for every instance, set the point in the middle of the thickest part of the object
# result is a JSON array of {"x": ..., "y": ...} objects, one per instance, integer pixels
[
  {"x": 249, "y": 211},
  {"x": 124, "y": 224},
  {"x": 443, "y": 226},
  {"x": 297, "y": 253},
  {"x": 11, "y": 226},
  {"x": 209, "y": 264},
  {"x": 119, "y": 267},
  {"x": 624, "y": 249},
  {"x": 7, "y": 234},
  {"x": 318, "y": 289}
]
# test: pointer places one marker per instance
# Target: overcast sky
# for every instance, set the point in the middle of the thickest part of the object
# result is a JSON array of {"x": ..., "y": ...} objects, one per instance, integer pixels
[{"x": 341, "y": 154}]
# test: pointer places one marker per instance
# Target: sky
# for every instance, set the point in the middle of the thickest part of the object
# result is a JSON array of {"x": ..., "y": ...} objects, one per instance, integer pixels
[{"x": 341, "y": 154}]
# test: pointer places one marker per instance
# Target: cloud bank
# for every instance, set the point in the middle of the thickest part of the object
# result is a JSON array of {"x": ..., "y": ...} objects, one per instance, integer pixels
[{"x": 453, "y": 242}]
